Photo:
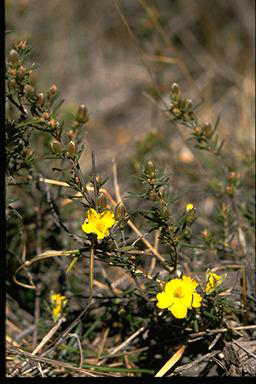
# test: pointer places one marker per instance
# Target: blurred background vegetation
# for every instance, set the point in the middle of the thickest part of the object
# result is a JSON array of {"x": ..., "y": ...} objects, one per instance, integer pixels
[
  {"x": 119, "y": 58},
  {"x": 84, "y": 48}
]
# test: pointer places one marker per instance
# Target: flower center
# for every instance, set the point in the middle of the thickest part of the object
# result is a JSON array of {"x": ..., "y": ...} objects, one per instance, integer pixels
[
  {"x": 100, "y": 226},
  {"x": 178, "y": 293}
]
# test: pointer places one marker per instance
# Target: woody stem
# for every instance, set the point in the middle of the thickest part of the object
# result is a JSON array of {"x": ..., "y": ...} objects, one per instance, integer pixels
[{"x": 91, "y": 272}]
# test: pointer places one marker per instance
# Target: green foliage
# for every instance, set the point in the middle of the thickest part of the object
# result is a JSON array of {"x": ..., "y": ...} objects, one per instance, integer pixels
[{"x": 36, "y": 136}]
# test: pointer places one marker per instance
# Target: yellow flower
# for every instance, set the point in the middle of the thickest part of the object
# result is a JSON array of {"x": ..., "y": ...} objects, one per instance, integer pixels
[
  {"x": 59, "y": 303},
  {"x": 179, "y": 295},
  {"x": 98, "y": 223},
  {"x": 213, "y": 281},
  {"x": 189, "y": 207}
]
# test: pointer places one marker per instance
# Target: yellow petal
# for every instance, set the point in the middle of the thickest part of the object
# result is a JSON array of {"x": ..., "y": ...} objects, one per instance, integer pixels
[
  {"x": 189, "y": 206},
  {"x": 88, "y": 227},
  {"x": 101, "y": 235},
  {"x": 164, "y": 300},
  {"x": 189, "y": 283},
  {"x": 178, "y": 309},
  {"x": 213, "y": 281},
  {"x": 196, "y": 300},
  {"x": 172, "y": 285},
  {"x": 92, "y": 215},
  {"x": 209, "y": 287},
  {"x": 187, "y": 299},
  {"x": 108, "y": 218}
]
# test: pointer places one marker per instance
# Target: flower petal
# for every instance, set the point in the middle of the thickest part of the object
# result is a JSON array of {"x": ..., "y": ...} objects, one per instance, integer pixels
[
  {"x": 108, "y": 219},
  {"x": 101, "y": 234},
  {"x": 196, "y": 303},
  {"x": 187, "y": 299},
  {"x": 188, "y": 283},
  {"x": 164, "y": 300},
  {"x": 178, "y": 309},
  {"x": 92, "y": 215},
  {"x": 88, "y": 227},
  {"x": 213, "y": 281},
  {"x": 172, "y": 285}
]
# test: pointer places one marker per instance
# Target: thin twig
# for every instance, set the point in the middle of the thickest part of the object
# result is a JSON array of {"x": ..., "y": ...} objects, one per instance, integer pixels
[
  {"x": 244, "y": 349},
  {"x": 127, "y": 341},
  {"x": 195, "y": 362},
  {"x": 80, "y": 348},
  {"x": 91, "y": 272},
  {"x": 124, "y": 344},
  {"x": 55, "y": 363},
  {"x": 36, "y": 314},
  {"x": 221, "y": 330},
  {"x": 62, "y": 337},
  {"x": 46, "y": 338},
  {"x": 102, "y": 344},
  {"x": 135, "y": 229}
]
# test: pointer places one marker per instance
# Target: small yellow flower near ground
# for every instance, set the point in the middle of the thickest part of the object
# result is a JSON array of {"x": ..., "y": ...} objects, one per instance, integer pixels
[
  {"x": 179, "y": 295},
  {"x": 213, "y": 281},
  {"x": 59, "y": 303},
  {"x": 189, "y": 207},
  {"x": 98, "y": 223}
]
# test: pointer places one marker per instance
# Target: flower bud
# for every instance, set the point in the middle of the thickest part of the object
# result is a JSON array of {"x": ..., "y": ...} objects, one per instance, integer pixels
[
  {"x": 71, "y": 148},
  {"x": 29, "y": 90},
  {"x": 21, "y": 72},
  {"x": 120, "y": 212},
  {"x": 13, "y": 56},
  {"x": 40, "y": 99},
  {"x": 189, "y": 103},
  {"x": 82, "y": 114},
  {"x": 99, "y": 180},
  {"x": 150, "y": 169},
  {"x": 189, "y": 207},
  {"x": 207, "y": 129},
  {"x": 133, "y": 258},
  {"x": 53, "y": 123},
  {"x": 191, "y": 214},
  {"x": 71, "y": 134},
  {"x": 197, "y": 131},
  {"x": 233, "y": 176},
  {"x": 57, "y": 147},
  {"x": 46, "y": 115},
  {"x": 102, "y": 201},
  {"x": 205, "y": 233},
  {"x": 12, "y": 84},
  {"x": 176, "y": 111},
  {"x": 21, "y": 45},
  {"x": 175, "y": 90},
  {"x": 230, "y": 190},
  {"x": 12, "y": 71},
  {"x": 52, "y": 91}
]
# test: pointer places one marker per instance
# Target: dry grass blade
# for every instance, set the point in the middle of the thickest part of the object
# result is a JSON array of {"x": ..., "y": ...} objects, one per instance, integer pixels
[
  {"x": 55, "y": 363},
  {"x": 170, "y": 363},
  {"x": 45, "y": 340},
  {"x": 42, "y": 256},
  {"x": 189, "y": 365}
]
